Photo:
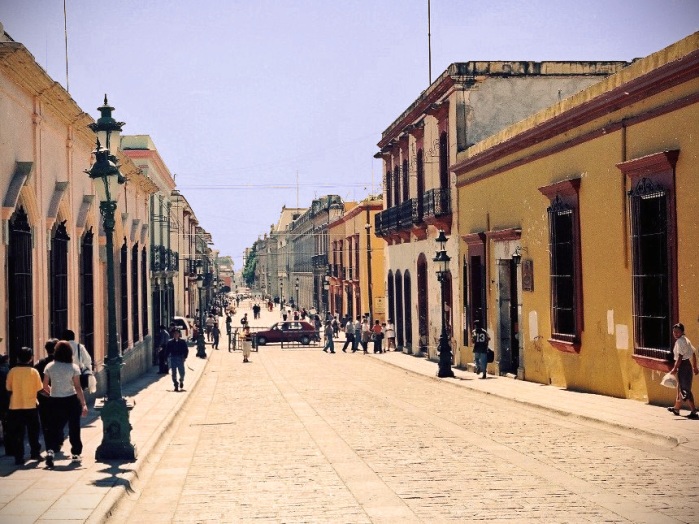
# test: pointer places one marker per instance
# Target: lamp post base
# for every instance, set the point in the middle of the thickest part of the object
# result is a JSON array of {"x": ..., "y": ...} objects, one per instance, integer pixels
[
  {"x": 116, "y": 437},
  {"x": 444, "y": 370},
  {"x": 201, "y": 346}
]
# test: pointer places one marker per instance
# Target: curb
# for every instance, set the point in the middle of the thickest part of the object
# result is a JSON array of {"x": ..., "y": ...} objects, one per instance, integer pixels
[{"x": 109, "y": 504}]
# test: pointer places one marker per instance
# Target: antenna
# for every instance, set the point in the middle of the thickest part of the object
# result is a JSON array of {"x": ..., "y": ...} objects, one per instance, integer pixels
[
  {"x": 297, "y": 189},
  {"x": 429, "y": 41},
  {"x": 65, "y": 33}
]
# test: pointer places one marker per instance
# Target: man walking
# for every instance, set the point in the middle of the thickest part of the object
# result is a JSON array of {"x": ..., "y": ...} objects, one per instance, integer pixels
[
  {"x": 177, "y": 351},
  {"x": 329, "y": 340},
  {"x": 480, "y": 340},
  {"x": 357, "y": 334},
  {"x": 349, "y": 335}
]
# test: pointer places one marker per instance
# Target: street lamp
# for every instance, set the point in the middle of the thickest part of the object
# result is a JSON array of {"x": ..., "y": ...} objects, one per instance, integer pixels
[
  {"x": 201, "y": 344},
  {"x": 367, "y": 226},
  {"x": 444, "y": 349},
  {"x": 281, "y": 293},
  {"x": 297, "y": 292},
  {"x": 116, "y": 429}
]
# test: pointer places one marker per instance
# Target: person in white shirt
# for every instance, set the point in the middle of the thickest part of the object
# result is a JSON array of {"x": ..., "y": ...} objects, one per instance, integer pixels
[{"x": 683, "y": 353}]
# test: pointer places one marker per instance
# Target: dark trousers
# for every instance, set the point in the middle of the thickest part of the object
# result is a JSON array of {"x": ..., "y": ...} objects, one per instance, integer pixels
[
  {"x": 17, "y": 421},
  {"x": 162, "y": 361},
  {"x": 65, "y": 410},
  {"x": 44, "y": 414},
  {"x": 348, "y": 341}
]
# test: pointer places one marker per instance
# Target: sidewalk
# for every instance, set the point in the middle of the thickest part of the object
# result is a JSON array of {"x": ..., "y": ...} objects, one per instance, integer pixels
[
  {"x": 624, "y": 415},
  {"x": 88, "y": 492}
]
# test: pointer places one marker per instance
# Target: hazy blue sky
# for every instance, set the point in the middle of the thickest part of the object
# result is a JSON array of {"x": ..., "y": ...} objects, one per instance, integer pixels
[{"x": 240, "y": 96}]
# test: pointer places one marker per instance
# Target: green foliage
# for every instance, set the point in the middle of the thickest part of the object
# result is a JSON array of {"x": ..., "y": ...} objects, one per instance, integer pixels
[{"x": 249, "y": 269}]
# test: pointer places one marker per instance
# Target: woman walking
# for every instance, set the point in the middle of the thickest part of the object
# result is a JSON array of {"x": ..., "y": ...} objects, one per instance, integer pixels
[
  {"x": 390, "y": 335},
  {"x": 62, "y": 383},
  {"x": 683, "y": 352}
]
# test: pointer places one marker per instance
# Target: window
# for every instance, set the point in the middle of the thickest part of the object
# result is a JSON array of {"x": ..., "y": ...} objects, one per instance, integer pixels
[
  {"x": 123, "y": 266},
  {"x": 389, "y": 186},
  {"x": 87, "y": 306},
  {"x": 20, "y": 326},
  {"x": 404, "y": 183},
  {"x": 443, "y": 161},
  {"x": 564, "y": 260},
  {"x": 653, "y": 252},
  {"x": 475, "y": 270},
  {"x": 396, "y": 185},
  {"x": 134, "y": 293},
  {"x": 59, "y": 280},
  {"x": 144, "y": 292}
]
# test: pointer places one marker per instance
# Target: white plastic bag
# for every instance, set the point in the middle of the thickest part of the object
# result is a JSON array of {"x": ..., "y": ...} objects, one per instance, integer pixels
[{"x": 669, "y": 381}]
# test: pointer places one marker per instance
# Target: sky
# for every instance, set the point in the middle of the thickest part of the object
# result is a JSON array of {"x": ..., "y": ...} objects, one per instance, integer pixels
[{"x": 260, "y": 104}]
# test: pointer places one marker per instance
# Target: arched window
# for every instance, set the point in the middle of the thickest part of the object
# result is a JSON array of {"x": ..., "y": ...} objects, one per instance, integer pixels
[
  {"x": 87, "y": 293},
  {"x": 422, "y": 302},
  {"x": 124, "y": 280},
  {"x": 134, "y": 293},
  {"x": 407, "y": 294},
  {"x": 58, "y": 280},
  {"x": 400, "y": 339},
  {"x": 391, "y": 299},
  {"x": 19, "y": 280}
]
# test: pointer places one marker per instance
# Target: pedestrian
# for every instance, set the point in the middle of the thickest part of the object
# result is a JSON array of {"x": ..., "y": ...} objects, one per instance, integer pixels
[
  {"x": 176, "y": 351},
  {"x": 377, "y": 336},
  {"x": 162, "y": 340},
  {"x": 366, "y": 333},
  {"x": 336, "y": 327},
  {"x": 329, "y": 340},
  {"x": 209, "y": 326},
  {"x": 80, "y": 355},
  {"x": 216, "y": 334},
  {"x": 390, "y": 334},
  {"x": 23, "y": 384},
  {"x": 62, "y": 383},
  {"x": 349, "y": 335},
  {"x": 480, "y": 340},
  {"x": 357, "y": 334},
  {"x": 683, "y": 352},
  {"x": 247, "y": 343},
  {"x": 229, "y": 320},
  {"x": 43, "y": 397},
  {"x": 244, "y": 320},
  {"x": 4, "y": 402}
]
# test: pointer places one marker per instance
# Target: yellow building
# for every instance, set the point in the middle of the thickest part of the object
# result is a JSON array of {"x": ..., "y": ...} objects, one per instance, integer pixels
[
  {"x": 579, "y": 227},
  {"x": 356, "y": 284}
]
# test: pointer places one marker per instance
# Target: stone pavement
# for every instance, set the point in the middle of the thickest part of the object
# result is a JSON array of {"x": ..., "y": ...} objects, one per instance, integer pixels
[{"x": 89, "y": 492}]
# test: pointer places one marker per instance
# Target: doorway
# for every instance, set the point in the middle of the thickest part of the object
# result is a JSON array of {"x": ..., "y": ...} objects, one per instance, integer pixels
[{"x": 508, "y": 316}]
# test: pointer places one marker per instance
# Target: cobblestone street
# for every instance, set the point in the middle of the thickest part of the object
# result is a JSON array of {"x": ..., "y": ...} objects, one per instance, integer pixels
[{"x": 302, "y": 436}]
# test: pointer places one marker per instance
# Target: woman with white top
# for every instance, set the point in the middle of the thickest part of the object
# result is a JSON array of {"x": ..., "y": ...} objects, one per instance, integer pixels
[
  {"x": 67, "y": 402},
  {"x": 390, "y": 334}
]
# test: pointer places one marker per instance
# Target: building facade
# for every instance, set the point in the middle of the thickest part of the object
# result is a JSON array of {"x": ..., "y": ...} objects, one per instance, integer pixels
[
  {"x": 467, "y": 103},
  {"x": 53, "y": 244},
  {"x": 579, "y": 231}
]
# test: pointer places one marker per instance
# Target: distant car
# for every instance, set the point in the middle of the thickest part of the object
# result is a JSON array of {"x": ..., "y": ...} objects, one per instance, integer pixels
[
  {"x": 184, "y": 325},
  {"x": 290, "y": 331}
]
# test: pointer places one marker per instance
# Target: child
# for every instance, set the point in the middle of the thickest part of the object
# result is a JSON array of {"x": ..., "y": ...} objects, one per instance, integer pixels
[{"x": 24, "y": 382}]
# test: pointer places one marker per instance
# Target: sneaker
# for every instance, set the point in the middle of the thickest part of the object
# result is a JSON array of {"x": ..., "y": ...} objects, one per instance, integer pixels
[
  {"x": 693, "y": 415},
  {"x": 75, "y": 458},
  {"x": 49, "y": 459},
  {"x": 176, "y": 387},
  {"x": 674, "y": 411},
  {"x": 181, "y": 384}
]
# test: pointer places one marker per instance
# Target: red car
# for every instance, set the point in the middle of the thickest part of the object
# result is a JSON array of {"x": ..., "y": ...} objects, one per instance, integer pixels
[{"x": 291, "y": 331}]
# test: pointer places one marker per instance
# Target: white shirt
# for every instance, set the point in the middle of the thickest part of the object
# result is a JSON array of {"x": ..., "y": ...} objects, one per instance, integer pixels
[
  {"x": 80, "y": 356},
  {"x": 683, "y": 348}
]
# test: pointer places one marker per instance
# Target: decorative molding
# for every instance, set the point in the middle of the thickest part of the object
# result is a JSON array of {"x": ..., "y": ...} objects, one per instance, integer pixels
[
  {"x": 58, "y": 192},
  {"x": 661, "y": 163},
  {"x": 511, "y": 233},
  {"x": 19, "y": 178},
  {"x": 84, "y": 209},
  {"x": 568, "y": 188},
  {"x": 134, "y": 229}
]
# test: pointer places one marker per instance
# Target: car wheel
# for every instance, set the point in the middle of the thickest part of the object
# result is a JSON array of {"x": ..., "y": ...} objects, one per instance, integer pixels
[
  {"x": 305, "y": 340},
  {"x": 261, "y": 341}
]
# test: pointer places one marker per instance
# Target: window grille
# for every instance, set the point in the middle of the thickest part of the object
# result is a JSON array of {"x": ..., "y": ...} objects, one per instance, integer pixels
[
  {"x": 19, "y": 272},
  {"x": 87, "y": 293},
  {"x": 651, "y": 270},
  {"x": 58, "y": 278},
  {"x": 563, "y": 278},
  {"x": 123, "y": 266}
]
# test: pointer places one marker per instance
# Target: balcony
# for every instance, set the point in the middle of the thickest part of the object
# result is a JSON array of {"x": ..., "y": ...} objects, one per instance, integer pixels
[
  {"x": 436, "y": 208},
  {"x": 163, "y": 259},
  {"x": 405, "y": 215},
  {"x": 320, "y": 261}
]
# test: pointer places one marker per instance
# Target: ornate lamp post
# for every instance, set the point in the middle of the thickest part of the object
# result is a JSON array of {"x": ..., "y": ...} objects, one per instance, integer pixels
[
  {"x": 201, "y": 344},
  {"x": 297, "y": 292},
  {"x": 444, "y": 349},
  {"x": 281, "y": 293},
  {"x": 367, "y": 226},
  {"x": 116, "y": 429}
]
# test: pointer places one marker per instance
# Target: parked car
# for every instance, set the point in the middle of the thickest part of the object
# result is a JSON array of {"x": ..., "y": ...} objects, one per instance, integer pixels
[
  {"x": 184, "y": 325},
  {"x": 290, "y": 331}
]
